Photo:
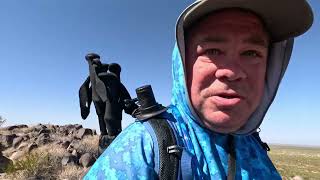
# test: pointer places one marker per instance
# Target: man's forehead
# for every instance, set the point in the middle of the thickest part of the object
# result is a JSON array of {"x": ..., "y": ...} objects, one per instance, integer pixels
[
  {"x": 214, "y": 26},
  {"x": 253, "y": 39}
]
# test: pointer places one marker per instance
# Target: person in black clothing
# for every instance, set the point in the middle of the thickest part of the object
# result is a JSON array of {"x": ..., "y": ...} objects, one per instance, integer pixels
[{"x": 104, "y": 88}]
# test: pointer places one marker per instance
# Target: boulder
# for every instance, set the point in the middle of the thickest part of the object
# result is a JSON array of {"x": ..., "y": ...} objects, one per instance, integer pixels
[
  {"x": 6, "y": 140},
  {"x": 16, "y": 141},
  {"x": 44, "y": 131},
  {"x": 71, "y": 132},
  {"x": 77, "y": 126},
  {"x": 73, "y": 126},
  {"x": 76, "y": 143},
  {"x": 86, "y": 160},
  {"x": 43, "y": 139},
  {"x": 70, "y": 148},
  {"x": 25, "y": 137},
  {"x": 36, "y": 177},
  {"x": 69, "y": 159},
  {"x": 4, "y": 163},
  {"x": 39, "y": 127},
  {"x": 84, "y": 132},
  {"x": 65, "y": 144},
  {"x": 10, "y": 128},
  {"x": 76, "y": 153},
  {"x": 94, "y": 132},
  {"x": 63, "y": 131},
  {"x": 1, "y": 148}
]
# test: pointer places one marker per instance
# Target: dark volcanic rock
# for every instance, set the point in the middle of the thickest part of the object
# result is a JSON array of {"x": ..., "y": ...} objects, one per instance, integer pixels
[
  {"x": 6, "y": 140},
  {"x": 1, "y": 148},
  {"x": 25, "y": 137},
  {"x": 84, "y": 132},
  {"x": 78, "y": 126},
  {"x": 15, "y": 144},
  {"x": 44, "y": 131},
  {"x": 65, "y": 144},
  {"x": 43, "y": 139},
  {"x": 69, "y": 159},
  {"x": 10, "y": 128},
  {"x": 75, "y": 144},
  {"x": 63, "y": 131},
  {"x": 16, "y": 141},
  {"x": 76, "y": 153},
  {"x": 39, "y": 127},
  {"x": 94, "y": 132},
  {"x": 4, "y": 163},
  {"x": 36, "y": 177}
]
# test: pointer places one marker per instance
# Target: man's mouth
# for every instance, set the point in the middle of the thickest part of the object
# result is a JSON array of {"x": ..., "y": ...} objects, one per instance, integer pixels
[
  {"x": 227, "y": 99},
  {"x": 228, "y": 95}
]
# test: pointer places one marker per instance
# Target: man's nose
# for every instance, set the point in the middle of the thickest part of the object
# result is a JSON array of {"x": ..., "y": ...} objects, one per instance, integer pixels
[{"x": 230, "y": 72}]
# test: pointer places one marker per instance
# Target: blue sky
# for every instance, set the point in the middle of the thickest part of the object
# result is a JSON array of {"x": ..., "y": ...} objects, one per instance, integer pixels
[{"x": 43, "y": 44}]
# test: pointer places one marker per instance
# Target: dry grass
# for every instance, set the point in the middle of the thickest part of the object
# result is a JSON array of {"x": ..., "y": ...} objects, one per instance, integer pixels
[
  {"x": 71, "y": 172},
  {"x": 45, "y": 162},
  {"x": 35, "y": 164},
  {"x": 90, "y": 144},
  {"x": 52, "y": 149},
  {"x": 296, "y": 161}
]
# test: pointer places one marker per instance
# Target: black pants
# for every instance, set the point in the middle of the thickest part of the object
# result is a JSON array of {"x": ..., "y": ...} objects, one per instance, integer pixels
[{"x": 110, "y": 116}]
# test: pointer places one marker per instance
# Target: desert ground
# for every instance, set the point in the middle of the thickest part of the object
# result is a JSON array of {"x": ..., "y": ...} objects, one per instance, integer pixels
[
  {"x": 296, "y": 161},
  {"x": 49, "y": 157}
]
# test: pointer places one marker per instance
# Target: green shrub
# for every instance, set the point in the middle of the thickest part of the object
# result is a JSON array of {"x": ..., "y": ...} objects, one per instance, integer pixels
[{"x": 34, "y": 164}]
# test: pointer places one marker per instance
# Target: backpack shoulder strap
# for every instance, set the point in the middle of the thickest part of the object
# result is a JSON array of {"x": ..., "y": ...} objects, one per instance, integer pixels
[{"x": 168, "y": 159}]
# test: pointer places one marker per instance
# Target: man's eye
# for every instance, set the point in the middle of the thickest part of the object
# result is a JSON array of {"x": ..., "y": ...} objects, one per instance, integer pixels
[
  {"x": 251, "y": 53},
  {"x": 213, "y": 52}
]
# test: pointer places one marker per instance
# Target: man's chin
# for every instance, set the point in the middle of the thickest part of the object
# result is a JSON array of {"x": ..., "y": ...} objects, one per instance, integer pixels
[{"x": 223, "y": 124}]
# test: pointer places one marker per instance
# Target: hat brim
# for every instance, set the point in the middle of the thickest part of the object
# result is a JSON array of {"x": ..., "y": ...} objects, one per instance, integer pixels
[{"x": 283, "y": 19}]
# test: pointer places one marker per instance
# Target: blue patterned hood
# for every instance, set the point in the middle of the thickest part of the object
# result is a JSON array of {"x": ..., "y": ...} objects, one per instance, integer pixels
[{"x": 279, "y": 56}]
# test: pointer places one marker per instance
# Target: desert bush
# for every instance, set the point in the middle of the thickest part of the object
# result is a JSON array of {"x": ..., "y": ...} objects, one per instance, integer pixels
[{"x": 34, "y": 165}]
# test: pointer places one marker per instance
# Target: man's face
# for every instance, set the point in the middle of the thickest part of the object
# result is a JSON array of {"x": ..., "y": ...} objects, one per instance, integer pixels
[{"x": 226, "y": 56}]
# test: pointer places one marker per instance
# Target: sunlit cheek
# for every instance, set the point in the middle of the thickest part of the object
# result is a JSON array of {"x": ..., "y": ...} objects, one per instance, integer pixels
[{"x": 204, "y": 65}]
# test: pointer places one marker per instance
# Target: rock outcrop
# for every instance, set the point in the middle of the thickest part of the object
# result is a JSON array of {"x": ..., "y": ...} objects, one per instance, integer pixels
[{"x": 19, "y": 140}]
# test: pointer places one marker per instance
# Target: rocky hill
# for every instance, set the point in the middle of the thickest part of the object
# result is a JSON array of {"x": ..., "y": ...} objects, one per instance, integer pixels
[{"x": 46, "y": 151}]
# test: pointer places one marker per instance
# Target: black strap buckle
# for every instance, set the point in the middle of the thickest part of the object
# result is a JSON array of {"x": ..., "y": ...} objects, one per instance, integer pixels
[{"x": 175, "y": 149}]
